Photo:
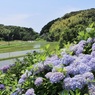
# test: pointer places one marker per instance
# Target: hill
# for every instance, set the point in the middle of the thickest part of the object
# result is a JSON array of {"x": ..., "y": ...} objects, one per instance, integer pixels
[
  {"x": 17, "y": 33},
  {"x": 67, "y": 27}
]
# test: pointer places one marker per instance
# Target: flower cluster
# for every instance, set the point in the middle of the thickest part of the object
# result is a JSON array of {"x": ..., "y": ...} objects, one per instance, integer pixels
[
  {"x": 38, "y": 81},
  {"x": 30, "y": 92},
  {"x": 24, "y": 77},
  {"x": 54, "y": 77},
  {"x": 70, "y": 71}
]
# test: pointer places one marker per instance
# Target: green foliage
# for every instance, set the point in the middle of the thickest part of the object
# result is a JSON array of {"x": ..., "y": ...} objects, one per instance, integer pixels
[
  {"x": 8, "y": 33},
  {"x": 88, "y": 33},
  {"x": 68, "y": 27}
]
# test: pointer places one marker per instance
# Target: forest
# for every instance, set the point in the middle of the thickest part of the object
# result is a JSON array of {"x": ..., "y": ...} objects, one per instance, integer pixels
[
  {"x": 9, "y": 33},
  {"x": 67, "y": 27}
]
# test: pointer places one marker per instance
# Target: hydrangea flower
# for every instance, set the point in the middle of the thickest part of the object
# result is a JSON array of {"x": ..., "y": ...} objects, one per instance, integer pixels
[
  {"x": 17, "y": 92},
  {"x": 89, "y": 40},
  {"x": 93, "y": 47},
  {"x": 48, "y": 75},
  {"x": 93, "y": 53},
  {"x": 73, "y": 83},
  {"x": 2, "y": 86},
  {"x": 79, "y": 50},
  {"x": 56, "y": 77},
  {"x": 91, "y": 89},
  {"x": 82, "y": 43},
  {"x": 67, "y": 59},
  {"x": 74, "y": 48},
  {"x": 54, "y": 60},
  {"x": 70, "y": 70},
  {"x": 37, "y": 68},
  {"x": 82, "y": 68},
  {"x": 26, "y": 74},
  {"x": 58, "y": 68},
  {"x": 30, "y": 92},
  {"x": 21, "y": 81},
  {"x": 88, "y": 76},
  {"x": 5, "y": 68},
  {"x": 38, "y": 81},
  {"x": 91, "y": 64}
]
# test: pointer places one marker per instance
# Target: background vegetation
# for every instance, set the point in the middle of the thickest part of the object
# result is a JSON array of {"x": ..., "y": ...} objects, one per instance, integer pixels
[
  {"x": 9, "y": 33},
  {"x": 66, "y": 28}
]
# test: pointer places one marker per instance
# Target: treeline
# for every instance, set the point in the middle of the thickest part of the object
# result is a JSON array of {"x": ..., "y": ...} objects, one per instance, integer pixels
[
  {"x": 9, "y": 33},
  {"x": 66, "y": 28}
]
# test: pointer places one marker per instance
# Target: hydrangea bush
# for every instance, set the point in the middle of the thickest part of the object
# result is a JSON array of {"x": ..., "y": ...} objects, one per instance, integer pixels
[{"x": 51, "y": 74}]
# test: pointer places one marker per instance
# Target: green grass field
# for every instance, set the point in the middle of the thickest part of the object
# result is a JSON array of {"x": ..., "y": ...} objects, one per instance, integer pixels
[{"x": 23, "y": 45}]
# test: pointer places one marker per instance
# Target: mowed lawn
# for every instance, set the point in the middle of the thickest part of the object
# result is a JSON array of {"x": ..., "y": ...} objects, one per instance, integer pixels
[{"x": 12, "y": 46}]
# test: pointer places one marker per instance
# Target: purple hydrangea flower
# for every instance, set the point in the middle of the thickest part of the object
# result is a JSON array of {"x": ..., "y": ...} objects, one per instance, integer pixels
[
  {"x": 38, "y": 81},
  {"x": 37, "y": 68},
  {"x": 71, "y": 70},
  {"x": 93, "y": 47},
  {"x": 79, "y": 50},
  {"x": 91, "y": 64},
  {"x": 89, "y": 40},
  {"x": 5, "y": 68},
  {"x": 58, "y": 68},
  {"x": 88, "y": 76},
  {"x": 2, "y": 86},
  {"x": 93, "y": 53},
  {"x": 82, "y": 43},
  {"x": 21, "y": 81},
  {"x": 48, "y": 75},
  {"x": 74, "y": 48},
  {"x": 56, "y": 77},
  {"x": 91, "y": 89},
  {"x": 30, "y": 92},
  {"x": 17, "y": 92},
  {"x": 67, "y": 59},
  {"x": 73, "y": 83},
  {"x": 82, "y": 68},
  {"x": 52, "y": 61},
  {"x": 26, "y": 74}
]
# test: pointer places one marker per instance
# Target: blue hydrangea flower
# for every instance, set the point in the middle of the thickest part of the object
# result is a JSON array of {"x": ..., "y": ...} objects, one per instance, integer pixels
[
  {"x": 82, "y": 68},
  {"x": 71, "y": 70},
  {"x": 48, "y": 75},
  {"x": 2, "y": 86},
  {"x": 73, "y": 83},
  {"x": 26, "y": 74},
  {"x": 30, "y": 92},
  {"x": 74, "y": 48},
  {"x": 17, "y": 92},
  {"x": 89, "y": 40},
  {"x": 67, "y": 59},
  {"x": 93, "y": 53},
  {"x": 91, "y": 64},
  {"x": 88, "y": 76},
  {"x": 79, "y": 50},
  {"x": 91, "y": 89},
  {"x": 58, "y": 68},
  {"x": 82, "y": 43},
  {"x": 37, "y": 68},
  {"x": 93, "y": 47},
  {"x": 54, "y": 60},
  {"x": 38, "y": 81},
  {"x": 21, "y": 81},
  {"x": 5, "y": 68},
  {"x": 56, "y": 77}
]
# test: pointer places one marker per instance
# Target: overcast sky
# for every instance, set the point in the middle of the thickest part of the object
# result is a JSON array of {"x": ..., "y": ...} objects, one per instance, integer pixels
[{"x": 37, "y": 13}]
